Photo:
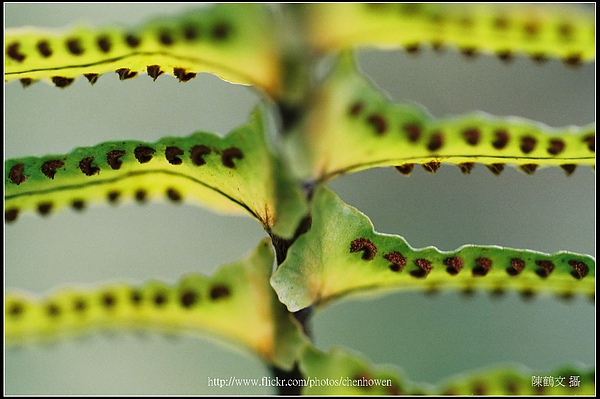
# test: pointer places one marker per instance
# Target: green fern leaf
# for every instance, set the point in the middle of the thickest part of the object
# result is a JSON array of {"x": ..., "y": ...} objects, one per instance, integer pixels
[
  {"x": 539, "y": 31},
  {"x": 353, "y": 126},
  {"x": 340, "y": 372},
  {"x": 515, "y": 380},
  {"x": 236, "y": 303},
  {"x": 235, "y": 174},
  {"x": 342, "y": 254},
  {"x": 232, "y": 42}
]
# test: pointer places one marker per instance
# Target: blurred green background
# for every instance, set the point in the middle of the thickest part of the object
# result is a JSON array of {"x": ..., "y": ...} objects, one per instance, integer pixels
[{"x": 428, "y": 338}]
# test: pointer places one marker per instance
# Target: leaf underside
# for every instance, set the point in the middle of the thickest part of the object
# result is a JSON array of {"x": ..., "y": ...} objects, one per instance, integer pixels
[
  {"x": 541, "y": 32},
  {"x": 236, "y": 304},
  {"x": 352, "y": 126},
  {"x": 342, "y": 254},
  {"x": 236, "y": 42},
  {"x": 342, "y": 373},
  {"x": 233, "y": 42},
  {"x": 235, "y": 174}
]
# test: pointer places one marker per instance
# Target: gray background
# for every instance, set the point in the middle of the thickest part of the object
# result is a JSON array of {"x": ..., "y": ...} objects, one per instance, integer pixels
[{"x": 427, "y": 338}]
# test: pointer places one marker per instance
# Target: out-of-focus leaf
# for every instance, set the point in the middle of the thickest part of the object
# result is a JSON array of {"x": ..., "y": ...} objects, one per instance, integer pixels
[
  {"x": 232, "y": 41},
  {"x": 236, "y": 304},
  {"x": 340, "y": 372},
  {"x": 541, "y": 31},
  {"x": 352, "y": 126}
]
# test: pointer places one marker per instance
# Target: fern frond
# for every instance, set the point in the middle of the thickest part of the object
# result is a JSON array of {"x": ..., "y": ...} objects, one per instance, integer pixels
[
  {"x": 233, "y": 42},
  {"x": 235, "y": 174},
  {"x": 342, "y": 254},
  {"x": 236, "y": 304},
  {"x": 542, "y": 32},
  {"x": 354, "y": 126},
  {"x": 340, "y": 372}
]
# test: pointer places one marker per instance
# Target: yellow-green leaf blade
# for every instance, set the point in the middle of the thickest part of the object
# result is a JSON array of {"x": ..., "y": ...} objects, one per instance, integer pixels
[
  {"x": 340, "y": 372},
  {"x": 515, "y": 380},
  {"x": 564, "y": 32},
  {"x": 236, "y": 174},
  {"x": 354, "y": 126},
  {"x": 342, "y": 255},
  {"x": 234, "y": 42},
  {"x": 236, "y": 304}
]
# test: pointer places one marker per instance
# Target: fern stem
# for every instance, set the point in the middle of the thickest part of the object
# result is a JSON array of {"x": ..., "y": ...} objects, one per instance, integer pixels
[
  {"x": 303, "y": 316},
  {"x": 297, "y": 87}
]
